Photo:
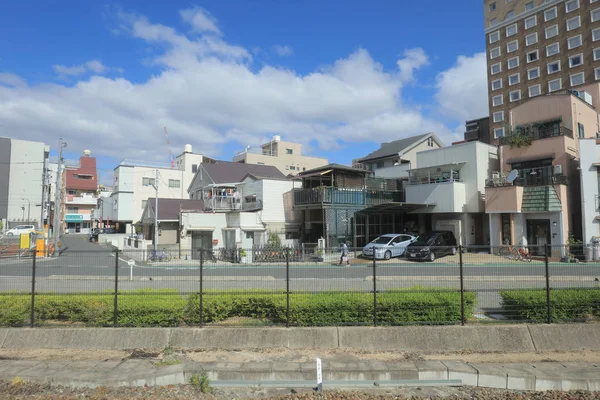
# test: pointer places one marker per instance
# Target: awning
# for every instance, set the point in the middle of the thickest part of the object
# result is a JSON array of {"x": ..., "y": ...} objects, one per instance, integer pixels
[
  {"x": 393, "y": 207},
  {"x": 253, "y": 228},
  {"x": 531, "y": 158},
  {"x": 201, "y": 228},
  {"x": 596, "y": 164},
  {"x": 317, "y": 173}
]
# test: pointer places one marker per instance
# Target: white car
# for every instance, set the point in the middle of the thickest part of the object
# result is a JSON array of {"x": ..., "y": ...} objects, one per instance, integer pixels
[
  {"x": 388, "y": 246},
  {"x": 20, "y": 229}
]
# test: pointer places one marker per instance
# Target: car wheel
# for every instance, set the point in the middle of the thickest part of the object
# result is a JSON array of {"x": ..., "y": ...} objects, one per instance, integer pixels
[
  {"x": 9, "y": 234},
  {"x": 387, "y": 255},
  {"x": 453, "y": 251},
  {"x": 431, "y": 256}
]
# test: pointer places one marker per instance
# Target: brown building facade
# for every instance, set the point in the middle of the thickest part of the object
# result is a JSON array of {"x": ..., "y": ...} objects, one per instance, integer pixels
[{"x": 536, "y": 47}]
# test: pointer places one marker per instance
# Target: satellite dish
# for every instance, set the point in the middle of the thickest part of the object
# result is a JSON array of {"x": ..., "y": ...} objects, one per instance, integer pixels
[{"x": 512, "y": 176}]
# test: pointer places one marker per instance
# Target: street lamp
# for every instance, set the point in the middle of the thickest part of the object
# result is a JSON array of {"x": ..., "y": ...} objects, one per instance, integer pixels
[{"x": 28, "y": 209}]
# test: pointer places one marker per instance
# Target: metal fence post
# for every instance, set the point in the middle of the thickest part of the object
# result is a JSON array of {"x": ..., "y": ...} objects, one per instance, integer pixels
[
  {"x": 462, "y": 287},
  {"x": 548, "y": 308},
  {"x": 374, "y": 291},
  {"x": 287, "y": 288},
  {"x": 201, "y": 288},
  {"x": 116, "y": 305},
  {"x": 33, "y": 290}
]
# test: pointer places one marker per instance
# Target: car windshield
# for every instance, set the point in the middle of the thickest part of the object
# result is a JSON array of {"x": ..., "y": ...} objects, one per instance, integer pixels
[
  {"x": 382, "y": 240},
  {"x": 425, "y": 238}
]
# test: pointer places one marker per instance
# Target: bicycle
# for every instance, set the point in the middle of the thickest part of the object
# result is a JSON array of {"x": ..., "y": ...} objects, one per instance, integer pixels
[
  {"x": 162, "y": 256},
  {"x": 515, "y": 253}
]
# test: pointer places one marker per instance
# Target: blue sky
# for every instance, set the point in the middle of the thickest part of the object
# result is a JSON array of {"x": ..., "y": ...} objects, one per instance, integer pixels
[{"x": 340, "y": 77}]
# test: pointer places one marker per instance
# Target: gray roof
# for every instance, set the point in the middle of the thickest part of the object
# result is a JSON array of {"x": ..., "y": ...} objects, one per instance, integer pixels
[
  {"x": 169, "y": 209},
  {"x": 233, "y": 172},
  {"x": 334, "y": 166},
  {"x": 393, "y": 148}
]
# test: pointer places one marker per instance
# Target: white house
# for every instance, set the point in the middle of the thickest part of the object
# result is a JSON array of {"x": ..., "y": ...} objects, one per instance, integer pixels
[
  {"x": 589, "y": 150},
  {"x": 452, "y": 181}
]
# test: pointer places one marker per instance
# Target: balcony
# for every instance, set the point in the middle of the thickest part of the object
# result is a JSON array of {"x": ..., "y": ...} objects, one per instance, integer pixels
[
  {"x": 448, "y": 196},
  {"x": 81, "y": 200},
  {"x": 341, "y": 196},
  {"x": 229, "y": 203},
  {"x": 542, "y": 177},
  {"x": 524, "y": 134}
]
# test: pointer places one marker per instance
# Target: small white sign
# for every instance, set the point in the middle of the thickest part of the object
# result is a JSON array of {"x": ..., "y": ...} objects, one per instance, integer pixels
[{"x": 319, "y": 372}]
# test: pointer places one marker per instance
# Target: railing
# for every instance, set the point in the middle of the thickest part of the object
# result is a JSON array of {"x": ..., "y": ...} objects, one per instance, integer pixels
[
  {"x": 530, "y": 180},
  {"x": 535, "y": 133},
  {"x": 222, "y": 203},
  {"x": 597, "y": 198},
  {"x": 252, "y": 206},
  {"x": 332, "y": 195}
]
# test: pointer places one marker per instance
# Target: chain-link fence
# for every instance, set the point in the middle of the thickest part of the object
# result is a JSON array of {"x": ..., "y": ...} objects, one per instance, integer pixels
[{"x": 300, "y": 287}]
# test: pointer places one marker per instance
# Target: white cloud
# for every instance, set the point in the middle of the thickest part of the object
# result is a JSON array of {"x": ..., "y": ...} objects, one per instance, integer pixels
[
  {"x": 462, "y": 90},
  {"x": 11, "y": 80},
  {"x": 93, "y": 66},
  {"x": 69, "y": 71},
  {"x": 283, "y": 51},
  {"x": 200, "y": 20},
  {"x": 208, "y": 94},
  {"x": 413, "y": 60}
]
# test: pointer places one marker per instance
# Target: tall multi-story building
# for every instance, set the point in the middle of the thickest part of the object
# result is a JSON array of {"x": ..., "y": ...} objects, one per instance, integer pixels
[
  {"x": 285, "y": 156},
  {"x": 536, "y": 47},
  {"x": 22, "y": 165},
  {"x": 135, "y": 182},
  {"x": 80, "y": 186}
]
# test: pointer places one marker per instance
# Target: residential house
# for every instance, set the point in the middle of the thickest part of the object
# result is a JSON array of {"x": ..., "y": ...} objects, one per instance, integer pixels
[
  {"x": 450, "y": 183},
  {"x": 285, "y": 156},
  {"x": 80, "y": 185},
  {"x": 136, "y": 181},
  {"x": 540, "y": 203},
  {"x": 21, "y": 171}
]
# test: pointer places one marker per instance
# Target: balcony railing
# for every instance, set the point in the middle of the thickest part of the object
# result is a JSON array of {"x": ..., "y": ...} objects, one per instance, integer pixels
[
  {"x": 528, "y": 180},
  {"x": 538, "y": 132},
  {"x": 252, "y": 206},
  {"x": 337, "y": 196},
  {"x": 228, "y": 203}
]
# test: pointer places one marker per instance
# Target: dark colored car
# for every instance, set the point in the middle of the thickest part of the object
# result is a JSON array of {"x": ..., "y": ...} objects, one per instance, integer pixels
[
  {"x": 94, "y": 235},
  {"x": 431, "y": 245}
]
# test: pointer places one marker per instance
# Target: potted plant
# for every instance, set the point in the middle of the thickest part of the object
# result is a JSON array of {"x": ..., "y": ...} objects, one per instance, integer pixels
[
  {"x": 319, "y": 252},
  {"x": 243, "y": 256}
]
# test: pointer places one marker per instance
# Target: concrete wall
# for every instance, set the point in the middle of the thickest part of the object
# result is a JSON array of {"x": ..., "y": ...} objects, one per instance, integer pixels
[
  {"x": 504, "y": 199},
  {"x": 394, "y": 171},
  {"x": 447, "y": 196},
  {"x": 4, "y": 176}
]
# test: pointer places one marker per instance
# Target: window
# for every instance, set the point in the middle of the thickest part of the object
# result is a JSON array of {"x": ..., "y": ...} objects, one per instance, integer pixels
[
  {"x": 513, "y": 62},
  {"x": 571, "y": 5},
  {"x": 595, "y": 14},
  {"x": 551, "y": 31},
  {"x": 144, "y": 202},
  {"x": 529, "y": 6},
  {"x": 550, "y": 14},
  {"x": 497, "y": 84},
  {"x": 535, "y": 90},
  {"x": 580, "y": 130},
  {"x": 496, "y": 68},
  {"x": 597, "y": 74},
  {"x": 533, "y": 73},
  {"x": 511, "y": 30},
  {"x": 573, "y": 23},
  {"x": 554, "y": 85},
  {"x": 495, "y": 53},
  {"x": 292, "y": 167},
  {"x": 532, "y": 56},
  {"x": 194, "y": 168},
  {"x": 530, "y": 22},
  {"x": 577, "y": 79},
  {"x": 514, "y": 95},
  {"x": 530, "y": 39},
  {"x": 597, "y": 54},
  {"x": 492, "y": 6},
  {"x": 498, "y": 116},
  {"x": 497, "y": 100},
  {"x": 174, "y": 183},
  {"x": 74, "y": 210},
  {"x": 512, "y": 46},
  {"x": 494, "y": 36},
  {"x": 596, "y": 34},
  {"x": 379, "y": 164},
  {"x": 493, "y": 21},
  {"x": 148, "y": 181},
  {"x": 514, "y": 79},
  {"x": 510, "y": 14},
  {"x": 552, "y": 49},
  {"x": 430, "y": 142},
  {"x": 554, "y": 67},
  {"x": 498, "y": 132},
  {"x": 574, "y": 42},
  {"x": 575, "y": 60},
  {"x": 289, "y": 151}
]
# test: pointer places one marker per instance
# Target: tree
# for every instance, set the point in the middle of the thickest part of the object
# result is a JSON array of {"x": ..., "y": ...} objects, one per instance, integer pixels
[{"x": 274, "y": 241}]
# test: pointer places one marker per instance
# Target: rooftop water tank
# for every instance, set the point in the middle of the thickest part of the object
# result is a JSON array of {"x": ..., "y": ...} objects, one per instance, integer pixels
[
  {"x": 276, "y": 138},
  {"x": 187, "y": 148}
]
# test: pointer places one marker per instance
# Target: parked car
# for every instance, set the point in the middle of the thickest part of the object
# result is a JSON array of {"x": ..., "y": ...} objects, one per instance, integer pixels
[
  {"x": 20, "y": 229},
  {"x": 431, "y": 245},
  {"x": 93, "y": 237},
  {"x": 387, "y": 246}
]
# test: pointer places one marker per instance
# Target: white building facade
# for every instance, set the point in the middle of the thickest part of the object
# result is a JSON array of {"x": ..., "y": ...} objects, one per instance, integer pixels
[{"x": 589, "y": 150}]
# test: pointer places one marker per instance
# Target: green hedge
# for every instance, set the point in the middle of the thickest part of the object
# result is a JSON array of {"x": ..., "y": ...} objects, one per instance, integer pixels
[
  {"x": 169, "y": 308},
  {"x": 565, "y": 304}
]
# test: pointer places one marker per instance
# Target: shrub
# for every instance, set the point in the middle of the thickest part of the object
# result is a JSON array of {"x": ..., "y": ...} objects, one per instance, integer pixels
[{"x": 565, "y": 304}]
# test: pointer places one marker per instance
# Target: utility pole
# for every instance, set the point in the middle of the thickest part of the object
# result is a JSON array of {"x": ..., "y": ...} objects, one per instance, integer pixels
[
  {"x": 58, "y": 190},
  {"x": 156, "y": 212},
  {"x": 44, "y": 190}
]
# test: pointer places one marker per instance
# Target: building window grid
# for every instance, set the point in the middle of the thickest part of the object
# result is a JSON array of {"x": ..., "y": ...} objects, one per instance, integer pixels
[
  {"x": 550, "y": 14},
  {"x": 497, "y": 100},
  {"x": 514, "y": 79},
  {"x": 512, "y": 46},
  {"x": 494, "y": 37},
  {"x": 576, "y": 60},
  {"x": 498, "y": 116},
  {"x": 498, "y": 132},
  {"x": 515, "y": 95},
  {"x": 530, "y": 39},
  {"x": 577, "y": 79},
  {"x": 552, "y": 49},
  {"x": 571, "y": 5},
  {"x": 533, "y": 73},
  {"x": 496, "y": 68},
  {"x": 513, "y": 62},
  {"x": 597, "y": 73},
  {"x": 595, "y": 15},
  {"x": 597, "y": 54},
  {"x": 511, "y": 30},
  {"x": 554, "y": 67},
  {"x": 573, "y": 23},
  {"x": 495, "y": 53},
  {"x": 555, "y": 85},
  {"x": 596, "y": 34},
  {"x": 497, "y": 84},
  {"x": 574, "y": 42},
  {"x": 530, "y": 22},
  {"x": 535, "y": 90},
  {"x": 551, "y": 31},
  {"x": 533, "y": 56}
]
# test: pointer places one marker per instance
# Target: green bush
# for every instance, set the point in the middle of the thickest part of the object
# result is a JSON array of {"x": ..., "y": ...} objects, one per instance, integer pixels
[
  {"x": 565, "y": 304},
  {"x": 15, "y": 309}
]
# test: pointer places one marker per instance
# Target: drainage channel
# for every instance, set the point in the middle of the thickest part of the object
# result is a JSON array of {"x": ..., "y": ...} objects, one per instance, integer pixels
[{"x": 336, "y": 384}]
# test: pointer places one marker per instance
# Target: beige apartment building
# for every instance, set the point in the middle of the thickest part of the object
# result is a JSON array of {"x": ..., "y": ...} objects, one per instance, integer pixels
[
  {"x": 536, "y": 47},
  {"x": 285, "y": 156}
]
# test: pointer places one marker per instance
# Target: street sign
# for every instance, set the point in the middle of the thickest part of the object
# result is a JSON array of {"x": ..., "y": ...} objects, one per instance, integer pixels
[{"x": 319, "y": 376}]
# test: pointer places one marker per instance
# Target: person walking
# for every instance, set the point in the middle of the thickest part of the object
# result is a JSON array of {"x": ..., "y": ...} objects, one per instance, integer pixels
[{"x": 345, "y": 254}]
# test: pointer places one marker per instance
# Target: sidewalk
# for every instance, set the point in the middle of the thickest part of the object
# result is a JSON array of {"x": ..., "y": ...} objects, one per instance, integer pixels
[{"x": 141, "y": 372}]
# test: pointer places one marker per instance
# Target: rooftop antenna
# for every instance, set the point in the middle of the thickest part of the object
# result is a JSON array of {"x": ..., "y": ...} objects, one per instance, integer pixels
[{"x": 512, "y": 176}]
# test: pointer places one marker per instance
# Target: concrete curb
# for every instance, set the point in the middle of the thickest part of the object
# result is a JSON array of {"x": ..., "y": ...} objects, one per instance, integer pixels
[{"x": 426, "y": 339}]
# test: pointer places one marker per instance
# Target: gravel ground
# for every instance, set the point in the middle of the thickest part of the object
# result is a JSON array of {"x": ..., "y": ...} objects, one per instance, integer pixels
[{"x": 22, "y": 390}]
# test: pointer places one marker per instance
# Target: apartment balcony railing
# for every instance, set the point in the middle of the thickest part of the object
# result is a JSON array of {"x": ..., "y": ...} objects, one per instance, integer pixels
[
  {"x": 341, "y": 196},
  {"x": 597, "y": 198},
  {"x": 527, "y": 180},
  {"x": 537, "y": 132},
  {"x": 252, "y": 205},
  {"x": 228, "y": 203}
]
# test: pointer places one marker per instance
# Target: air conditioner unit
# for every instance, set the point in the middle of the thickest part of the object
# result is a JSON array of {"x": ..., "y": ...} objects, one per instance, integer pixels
[{"x": 558, "y": 170}]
